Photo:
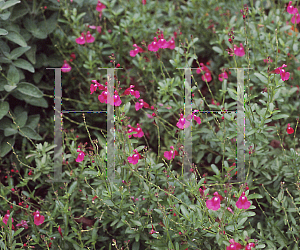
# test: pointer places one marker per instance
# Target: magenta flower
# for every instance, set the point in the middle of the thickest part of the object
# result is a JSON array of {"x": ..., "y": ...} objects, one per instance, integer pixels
[
  {"x": 170, "y": 154},
  {"x": 284, "y": 75},
  {"x": 100, "y": 6},
  {"x": 141, "y": 104},
  {"x": 171, "y": 43},
  {"x": 89, "y": 38},
  {"x": 130, "y": 91},
  {"x": 6, "y": 216},
  {"x": 139, "y": 132},
  {"x": 267, "y": 60},
  {"x": 182, "y": 123},
  {"x": 214, "y": 203},
  {"x": 206, "y": 77},
  {"x": 134, "y": 158},
  {"x": 291, "y": 9},
  {"x": 98, "y": 28},
  {"x": 66, "y": 67},
  {"x": 144, "y": 2},
  {"x": 223, "y": 76},
  {"x": 80, "y": 156},
  {"x": 80, "y": 40},
  {"x": 249, "y": 246},
  {"x": 154, "y": 45},
  {"x": 297, "y": 17},
  {"x": 234, "y": 245},
  {"x": 162, "y": 43},
  {"x": 243, "y": 202},
  {"x": 38, "y": 219},
  {"x": 239, "y": 51},
  {"x": 117, "y": 99},
  {"x": 203, "y": 68},
  {"x": 22, "y": 224},
  {"x": 194, "y": 117},
  {"x": 137, "y": 50}
]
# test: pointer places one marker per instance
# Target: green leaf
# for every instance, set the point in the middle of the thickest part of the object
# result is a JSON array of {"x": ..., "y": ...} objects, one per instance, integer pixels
[
  {"x": 217, "y": 49},
  {"x": 21, "y": 119},
  {"x": 279, "y": 116},
  {"x": 5, "y": 148},
  {"x": 5, "y": 16},
  {"x": 3, "y": 32},
  {"x": 72, "y": 187},
  {"x": 18, "y": 11},
  {"x": 33, "y": 121},
  {"x": 136, "y": 222},
  {"x": 10, "y": 131},
  {"x": 38, "y": 102},
  {"x": 31, "y": 54},
  {"x": 9, "y": 88},
  {"x": 50, "y": 24},
  {"x": 4, "y": 108},
  {"x": 215, "y": 169},
  {"x": 13, "y": 76},
  {"x": 29, "y": 90},
  {"x": 29, "y": 132},
  {"x": 16, "y": 38},
  {"x": 18, "y": 52},
  {"x": 254, "y": 196},
  {"x": 281, "y": 239},
  {"x": 184, "y": 211},
  {"x": 23, "y": 64},
  {"x": 9, "y": 4},
  {"x": 261, "y": 78}
]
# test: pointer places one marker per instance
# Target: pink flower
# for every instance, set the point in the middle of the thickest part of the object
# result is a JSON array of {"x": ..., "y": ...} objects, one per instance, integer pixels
[
  {"x": 162, "y": 43},
  {"x": 137, "y": 50},
  {"x": 89, "y": 38},
  {"x": 139, "y": 132},
  {"x": 289, "y": 130},
  {"x": 22, "y": 224},
  {"x": 66, "y": 67},
  {"x": 59, "y": 230},
  {"x": 284, "y": 75},
  {"x": 80, "y": 40},
  {"x": 154, "y": 45},
  {"x": 80, "y": 156},
  {"x": 5, "y": 218},
  {"x": 94, "y": 27},
  {"x": 100, "y": 6},
  {"x": 213, "y": 102},
  {"x": 194, "y": 117},
  {"x": 171, "y": 43},
  {"x": 144, "y": 2},
  {"x": 38, "y": 219},
  {"x": 297, "y": 17},
  {"x": 239, "y": 51},
  {"x": 249, "y": 246},
  {"x": 182, "y": 123},
  {"x": 267, "y": 60},
  {"x": 223, "y": 76},
  {"x": 234, "y": 245},
  {"x": 214, "y": 203},
  {"x": 202, "y": 68},
  {"x": 152, "y": 231},
  {"x": 134, "y": 158},
  {"x": 170, "y": 154},
  {"x": 130, "y": 91},
  {"x": 290, "y": 9},
  {"x": 117, "y": 100},
  {"x": 206, "y": 77},
  {"x": 141, "y": 104},
  {"x": 243, "y": 202}
]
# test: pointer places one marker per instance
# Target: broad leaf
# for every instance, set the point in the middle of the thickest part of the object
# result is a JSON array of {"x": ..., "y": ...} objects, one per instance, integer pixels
[{"x": 23, "y": 64}]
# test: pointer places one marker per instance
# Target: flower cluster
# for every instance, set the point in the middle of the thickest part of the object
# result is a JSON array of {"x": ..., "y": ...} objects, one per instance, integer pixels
[
  {"x": 155, "y": 45},
  {"x": 88, "y": 38},
  {"x": 207, "y": 75},
  {"x": 284, "y": 75},
  {"x": 294, "y": 11},
  {"x": 138, "y": 131},
  {"x": 183, "y": 123},
  {"x": 134, "y": 158}
]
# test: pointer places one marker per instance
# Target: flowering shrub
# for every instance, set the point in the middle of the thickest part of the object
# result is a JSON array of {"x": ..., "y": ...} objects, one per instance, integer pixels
[{"x": 152, "y": 201}]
